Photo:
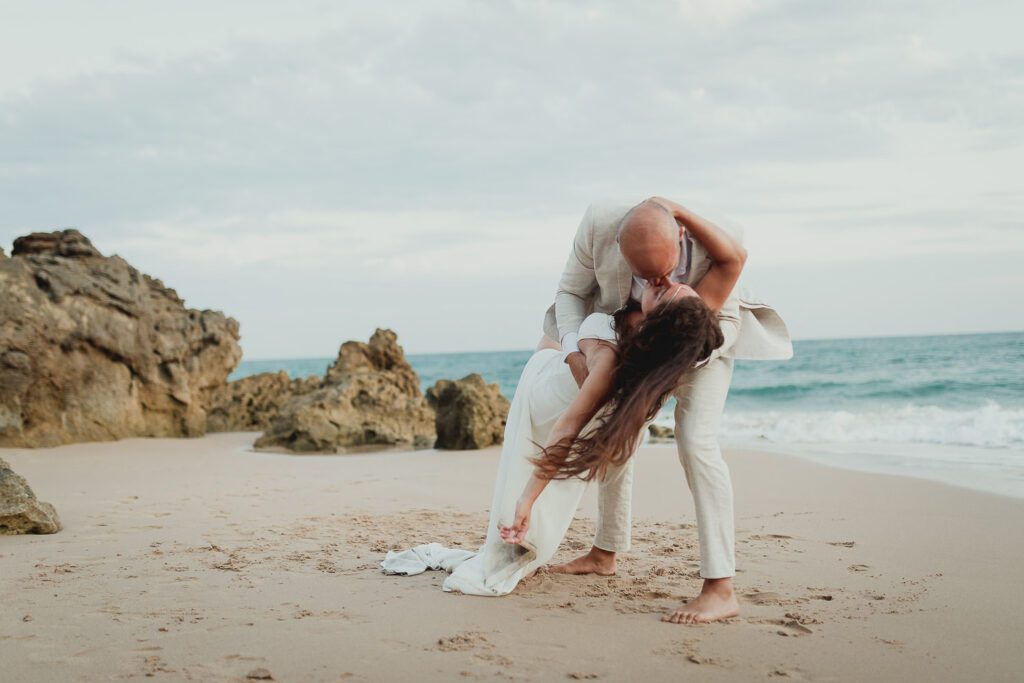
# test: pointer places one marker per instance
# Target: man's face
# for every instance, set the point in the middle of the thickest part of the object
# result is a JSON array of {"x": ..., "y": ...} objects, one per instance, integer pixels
[
  {"x": 648, "y": 240},
  {"x": 654, "y": 261}
]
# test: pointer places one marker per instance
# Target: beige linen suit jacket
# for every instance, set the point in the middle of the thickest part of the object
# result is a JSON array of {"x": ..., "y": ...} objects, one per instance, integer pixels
[{"x": 597, "y": 278}]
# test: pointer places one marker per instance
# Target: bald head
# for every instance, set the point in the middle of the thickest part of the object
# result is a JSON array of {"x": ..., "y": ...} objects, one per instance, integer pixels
[{"x": 649, "y": 241}]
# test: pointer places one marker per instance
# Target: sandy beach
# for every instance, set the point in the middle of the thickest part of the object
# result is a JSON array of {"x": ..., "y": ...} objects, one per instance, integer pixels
[
  {"x": 279, "y": 280},
  {"x": 197, "y": 559}
]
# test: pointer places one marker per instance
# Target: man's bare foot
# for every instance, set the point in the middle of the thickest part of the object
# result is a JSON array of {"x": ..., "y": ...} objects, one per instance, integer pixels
[
  {"x": 597, "y": 561},
  {"x": 716, "y": 601}
]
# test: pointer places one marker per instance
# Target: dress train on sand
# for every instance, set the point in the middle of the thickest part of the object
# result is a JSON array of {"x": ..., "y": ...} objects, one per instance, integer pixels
[{"x": 545, "y": 390}]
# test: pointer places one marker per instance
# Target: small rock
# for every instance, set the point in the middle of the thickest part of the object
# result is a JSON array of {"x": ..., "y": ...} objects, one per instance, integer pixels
[
  {"x": 471, "y": 413},
  {"x": 660, "y": 433},
  {"x": 260, "y": 674},
  {"x": 370, "y": 396}
]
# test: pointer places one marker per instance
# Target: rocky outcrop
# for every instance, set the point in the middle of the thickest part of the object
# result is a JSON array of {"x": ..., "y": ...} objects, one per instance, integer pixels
[
  {"x": 470, "y": 413},
  {"x": 659, "y": 433},
  {"x": 92, "y": 350},
  {"x": 370, "y": 396},
  {"x": 20, "y": 512},
  {"x": 251, "y": 403}
]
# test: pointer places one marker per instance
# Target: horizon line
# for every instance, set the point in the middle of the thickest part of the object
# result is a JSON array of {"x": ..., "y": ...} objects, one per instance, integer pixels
[{"x": 521, "y": 350}]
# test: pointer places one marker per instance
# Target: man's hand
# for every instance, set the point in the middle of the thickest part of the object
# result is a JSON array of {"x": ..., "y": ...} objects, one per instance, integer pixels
[
  {"x": 517, "y": 532},
  {"x": 578, "y": 365}
]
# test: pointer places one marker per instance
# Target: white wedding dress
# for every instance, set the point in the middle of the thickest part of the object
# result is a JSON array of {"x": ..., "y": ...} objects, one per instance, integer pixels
[{"x": 546, "y": 388}]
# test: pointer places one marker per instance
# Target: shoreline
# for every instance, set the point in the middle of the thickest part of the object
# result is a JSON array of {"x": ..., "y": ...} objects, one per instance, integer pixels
[
  {"x": 840, "y": 456},
  {"x": 191, "y": 558},
  {"x": 877, "y": 456}
]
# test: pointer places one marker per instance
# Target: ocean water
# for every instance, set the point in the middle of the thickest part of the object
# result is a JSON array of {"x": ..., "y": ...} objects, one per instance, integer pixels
[{"x": 949, "y": 408}]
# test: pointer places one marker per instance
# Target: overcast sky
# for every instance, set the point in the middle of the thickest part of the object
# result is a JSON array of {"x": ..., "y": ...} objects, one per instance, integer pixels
[{"x": 319, "y": 169}]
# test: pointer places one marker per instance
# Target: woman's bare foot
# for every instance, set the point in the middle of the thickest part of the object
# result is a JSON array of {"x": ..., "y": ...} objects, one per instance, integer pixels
[
  {"x": 597, "y": 561},
  {"x": 716, "y": 601}
]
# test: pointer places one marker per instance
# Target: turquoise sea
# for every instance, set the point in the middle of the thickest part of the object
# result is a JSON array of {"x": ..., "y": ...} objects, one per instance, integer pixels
[{"x": 942, "y": 407}]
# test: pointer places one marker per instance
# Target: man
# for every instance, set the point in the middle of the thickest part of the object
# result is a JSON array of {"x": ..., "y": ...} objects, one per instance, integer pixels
[{"x": 617, "y": 252}]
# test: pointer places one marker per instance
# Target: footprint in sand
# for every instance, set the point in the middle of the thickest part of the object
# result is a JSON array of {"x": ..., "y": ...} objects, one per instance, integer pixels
[
  {"x": 787, "y": 672},
  {"x": 793, "y": 628},
  {"x": 687, "y": 649},
  {"x": 771, "y": 537},
  {"x": 893, "y": 643},
  {"x": 153, "y": 665},
  {"x": 466, "y": 640},
  {"x": 493, "y": 658},
  {"x": 789, "y": 627},
  {"x": 802, "y": 618},
  {"x": 763, "y": 598}
]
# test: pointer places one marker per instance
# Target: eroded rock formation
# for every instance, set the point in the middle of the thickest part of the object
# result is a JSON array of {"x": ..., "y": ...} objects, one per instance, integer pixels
[
  {"x": 470, "y": 413},
  {"x": 370, "y": 396},
  {"x": 251, "y": 403},
  {"x": 93, "y": 350}
]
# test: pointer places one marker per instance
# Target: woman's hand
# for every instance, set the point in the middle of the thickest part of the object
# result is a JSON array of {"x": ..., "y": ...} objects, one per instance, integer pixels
[
  {"x": 669, "y": 205},
  {"x": 517, "y": 532}
]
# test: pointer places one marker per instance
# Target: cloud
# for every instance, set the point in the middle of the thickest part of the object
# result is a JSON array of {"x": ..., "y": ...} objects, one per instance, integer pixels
[
  {"x": 422, "y": 139},
  {"x": 371, "y": 245},
  {"x": 716, "y": 13}
]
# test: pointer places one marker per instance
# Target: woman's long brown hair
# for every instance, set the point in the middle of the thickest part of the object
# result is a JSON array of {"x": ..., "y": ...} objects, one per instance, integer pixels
[{"x": 652, "y": 358}]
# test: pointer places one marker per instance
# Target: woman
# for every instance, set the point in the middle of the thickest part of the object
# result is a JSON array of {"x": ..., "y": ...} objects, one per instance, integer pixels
[{"x": 635, "y": 358}]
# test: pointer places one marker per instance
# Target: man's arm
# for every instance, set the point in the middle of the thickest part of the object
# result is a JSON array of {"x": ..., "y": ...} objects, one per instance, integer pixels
[{"x": 578, "y": 282}]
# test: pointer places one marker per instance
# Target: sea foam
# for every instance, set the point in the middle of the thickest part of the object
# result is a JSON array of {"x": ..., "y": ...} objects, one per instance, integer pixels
[{"x": 988, "y": 426}]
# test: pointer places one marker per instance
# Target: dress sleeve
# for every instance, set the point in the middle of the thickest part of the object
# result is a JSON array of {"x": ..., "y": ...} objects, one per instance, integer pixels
[{"x": 598, "y": 326}]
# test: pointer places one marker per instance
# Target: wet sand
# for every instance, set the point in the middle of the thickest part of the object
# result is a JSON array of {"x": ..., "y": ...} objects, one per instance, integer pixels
[{"x": 196, "y": 559}]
